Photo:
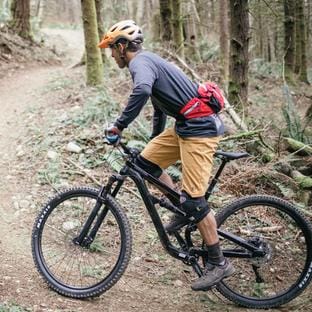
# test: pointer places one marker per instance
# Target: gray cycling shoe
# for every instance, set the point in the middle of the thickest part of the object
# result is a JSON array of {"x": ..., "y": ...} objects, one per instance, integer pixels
[{"x": 213, "y": 274}]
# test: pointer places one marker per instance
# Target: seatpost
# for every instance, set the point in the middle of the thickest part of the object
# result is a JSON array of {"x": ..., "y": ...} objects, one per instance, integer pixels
[{"x": 215, "y": 179}]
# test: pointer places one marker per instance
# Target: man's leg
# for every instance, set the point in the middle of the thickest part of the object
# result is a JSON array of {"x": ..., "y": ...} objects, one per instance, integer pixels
[
  {"x": 208, "y": 229},
  {"x": 163, "y": 151},
  {"x": 197, "y": 160},
  {"x": 217, "y": 267},
  {"x": 165, "y": 178}
]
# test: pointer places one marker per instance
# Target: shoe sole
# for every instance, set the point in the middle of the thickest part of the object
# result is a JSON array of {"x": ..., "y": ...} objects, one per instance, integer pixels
[{"x": 217, "y": 282}]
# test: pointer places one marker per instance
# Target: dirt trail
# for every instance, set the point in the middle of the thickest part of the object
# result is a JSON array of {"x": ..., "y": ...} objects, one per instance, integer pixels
[{"x": 20, "y": 91}]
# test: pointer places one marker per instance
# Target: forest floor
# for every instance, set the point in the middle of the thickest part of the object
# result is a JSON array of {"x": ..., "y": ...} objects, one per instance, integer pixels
[{"x": 33, "y": 99}]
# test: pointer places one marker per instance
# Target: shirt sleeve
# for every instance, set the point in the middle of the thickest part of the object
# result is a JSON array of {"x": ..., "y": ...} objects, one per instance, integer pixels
[
  {"x": 159, "y": 121},
  {"x": 143, "y": 76}
]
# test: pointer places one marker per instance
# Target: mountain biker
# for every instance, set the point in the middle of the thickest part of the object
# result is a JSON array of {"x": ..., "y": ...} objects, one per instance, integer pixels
[{"x": 193, "y": 140}]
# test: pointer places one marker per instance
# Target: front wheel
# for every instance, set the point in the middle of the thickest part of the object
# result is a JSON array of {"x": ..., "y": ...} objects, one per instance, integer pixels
[
  {"x": 81, "y": 270},
  {"x": 278, "y": 228}
]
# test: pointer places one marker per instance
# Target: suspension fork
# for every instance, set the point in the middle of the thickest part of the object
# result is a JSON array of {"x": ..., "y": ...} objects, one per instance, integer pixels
[{"x": 85, "y": 240}]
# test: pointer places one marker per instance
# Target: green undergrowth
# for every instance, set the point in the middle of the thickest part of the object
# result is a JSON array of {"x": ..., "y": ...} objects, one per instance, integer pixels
[
  {"x": 13, "y": 308},
  {"x": 83, "y": 123}
]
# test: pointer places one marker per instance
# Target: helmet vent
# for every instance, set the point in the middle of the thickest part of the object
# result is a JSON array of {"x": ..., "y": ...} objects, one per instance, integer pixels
[
  {"x": 128, "y": 26},
  {"x": 113, "y": 29},
  {"x": 131, "y": 33}
]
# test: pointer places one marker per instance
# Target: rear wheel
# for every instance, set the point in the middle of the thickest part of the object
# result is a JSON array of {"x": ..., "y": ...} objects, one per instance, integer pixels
[
  {"x": 72, "y": 269},
  {"x": 277, "y": 227}
]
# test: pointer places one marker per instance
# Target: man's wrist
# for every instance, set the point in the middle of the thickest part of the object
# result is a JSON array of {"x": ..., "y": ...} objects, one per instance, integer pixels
[{"x": 119, "y": 126}]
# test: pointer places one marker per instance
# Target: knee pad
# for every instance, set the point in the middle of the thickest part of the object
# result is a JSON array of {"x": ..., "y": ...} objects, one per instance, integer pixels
[
  {"x": 195, "y": 208},
  {"x": 148, "y": 166}
]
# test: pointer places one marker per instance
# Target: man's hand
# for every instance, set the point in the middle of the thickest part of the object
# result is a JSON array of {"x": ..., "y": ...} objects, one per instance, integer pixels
[
  {"x": 112, "y": 130},
  {"x": 113, "y": 135}
]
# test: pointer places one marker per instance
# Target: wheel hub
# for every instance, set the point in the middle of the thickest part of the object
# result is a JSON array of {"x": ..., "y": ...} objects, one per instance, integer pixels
[{"x": 265, "y": 247}]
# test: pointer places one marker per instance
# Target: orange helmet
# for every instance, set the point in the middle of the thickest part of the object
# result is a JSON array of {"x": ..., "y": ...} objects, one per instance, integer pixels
[{"x": 127, "y": 29}]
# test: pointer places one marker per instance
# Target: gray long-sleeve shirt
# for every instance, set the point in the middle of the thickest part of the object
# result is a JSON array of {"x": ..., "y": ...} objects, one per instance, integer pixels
[{"x": 170, "y": 89}]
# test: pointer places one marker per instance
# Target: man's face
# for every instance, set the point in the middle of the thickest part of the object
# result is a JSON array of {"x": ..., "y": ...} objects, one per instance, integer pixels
[{"x": 116, "y": 54}]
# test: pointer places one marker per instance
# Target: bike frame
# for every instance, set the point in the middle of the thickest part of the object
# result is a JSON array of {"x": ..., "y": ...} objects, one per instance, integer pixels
[{"x": 139, "y": 176}]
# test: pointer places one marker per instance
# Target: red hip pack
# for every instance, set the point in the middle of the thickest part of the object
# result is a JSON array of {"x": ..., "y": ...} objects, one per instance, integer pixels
[{"x": 210, "y": 101}]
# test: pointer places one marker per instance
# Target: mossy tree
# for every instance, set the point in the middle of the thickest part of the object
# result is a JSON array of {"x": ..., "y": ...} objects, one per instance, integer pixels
[
  {"x": 166, "y": 19},
  {"x": 301, "y": 39},
  {"x": 93, "y": 55},
  {"x": 289, "y": 39},
  {"x": 239, "y": 58},
  {"x": 99, "y": 17},
  {"x": 177, "y": 23},
  {"x": 224, "y": 39}
]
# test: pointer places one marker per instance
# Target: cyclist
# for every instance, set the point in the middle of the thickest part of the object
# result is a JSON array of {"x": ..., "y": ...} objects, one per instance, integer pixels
[{"x": 193, "y": 140}]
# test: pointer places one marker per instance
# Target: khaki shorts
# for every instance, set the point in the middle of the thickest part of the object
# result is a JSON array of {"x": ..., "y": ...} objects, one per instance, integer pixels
[{"x": 196, "y": 155}]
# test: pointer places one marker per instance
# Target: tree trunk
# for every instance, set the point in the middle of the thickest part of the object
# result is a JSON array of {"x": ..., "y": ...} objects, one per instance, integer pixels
[
  {"x": 177, "y": 23},
  {"x": 20, "y": 23},
  {"x": 202, "y": 13},
  {"x": 166, "y": 19},
  {"x": 191, "y": 33},
  {"x": 224, "y": 40},
  {"x": 309, "y": 21},
  {"x": 148, "y": 16},
  {"x": 139, "y": 18},
  {"x": 199, "y": 17},
  {"x": 298, "y": 40},
  {"x": 302, "y": 34},
  {"x": 93, "y": 54},
  {"x": 271, "y": 45},
  {"x": 99, "y": 17},
  {"x": 260, "y": 33},
  {"x": 239, "y": 42},
  {"x": 212, "y": 15},
  {"x": 37, "y": 8},
  {"x": 154, "y": 25},
  {"x": 131, "y": 7},
  {"x": 289, "y": 33}
]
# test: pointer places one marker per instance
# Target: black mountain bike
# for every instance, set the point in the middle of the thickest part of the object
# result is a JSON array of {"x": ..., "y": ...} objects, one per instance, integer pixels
[{"x": 81, "y": 240}]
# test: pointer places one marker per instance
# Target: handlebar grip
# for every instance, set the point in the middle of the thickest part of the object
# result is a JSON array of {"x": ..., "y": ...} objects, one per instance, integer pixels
[{"x": 112, "y": 138}]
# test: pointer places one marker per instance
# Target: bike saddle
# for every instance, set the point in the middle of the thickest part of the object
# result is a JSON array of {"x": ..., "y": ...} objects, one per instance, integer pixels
[{"x": 230, "y": 155}]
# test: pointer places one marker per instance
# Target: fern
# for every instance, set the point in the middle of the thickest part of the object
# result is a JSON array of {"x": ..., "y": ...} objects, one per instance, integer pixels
[
  {"x": 295, "y": 129},
  {"x": 114, "y": 159},
  {"x": 101, "y": 109},
  {"x": 137, "y": 144}
]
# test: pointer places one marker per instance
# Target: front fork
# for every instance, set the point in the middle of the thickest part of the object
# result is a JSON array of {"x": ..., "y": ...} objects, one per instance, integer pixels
[{"x": 88, "y": 232}]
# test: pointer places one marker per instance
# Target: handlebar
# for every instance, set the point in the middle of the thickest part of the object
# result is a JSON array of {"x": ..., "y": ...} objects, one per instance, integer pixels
[
  {"x": 112, "y": 138},
  {"x": 115, "y": 140}
]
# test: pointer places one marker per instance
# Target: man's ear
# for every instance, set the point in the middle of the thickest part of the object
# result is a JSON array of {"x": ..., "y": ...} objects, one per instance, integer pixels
[{"x": 121, "y": 49}]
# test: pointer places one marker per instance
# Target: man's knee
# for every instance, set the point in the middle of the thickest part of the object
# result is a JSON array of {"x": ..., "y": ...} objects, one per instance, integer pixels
[
  {"x": 148, "y": 166},
  {"x": 196, "y": 208}
]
